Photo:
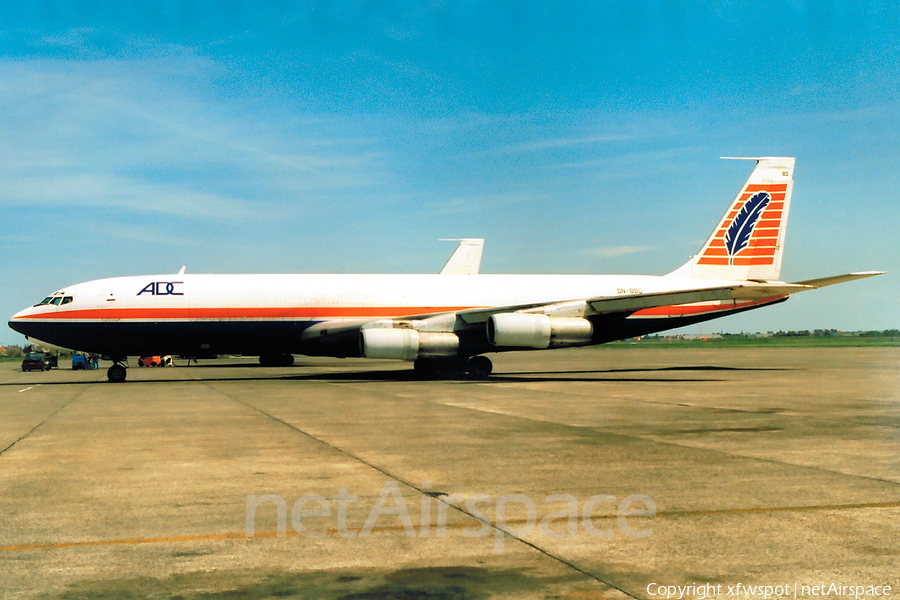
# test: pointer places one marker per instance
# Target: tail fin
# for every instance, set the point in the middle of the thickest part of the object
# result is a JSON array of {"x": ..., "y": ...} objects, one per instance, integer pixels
[
  {"x": 749, "y": 241},
  {"x": 466, "y": 259}
]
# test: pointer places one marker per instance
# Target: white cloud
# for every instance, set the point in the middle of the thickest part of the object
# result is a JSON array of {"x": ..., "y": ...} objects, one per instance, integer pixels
[
  {"x": 613, "y": 251},
  {"x": 480, "y": 203},
  {"x": 121, "y": 193},
  {"x": 568, "y": 142},
  {"x": 146, "y": 136}
]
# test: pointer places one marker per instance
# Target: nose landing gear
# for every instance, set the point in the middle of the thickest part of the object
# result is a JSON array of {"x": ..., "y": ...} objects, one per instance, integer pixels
[{"x": 117, "y": 372}]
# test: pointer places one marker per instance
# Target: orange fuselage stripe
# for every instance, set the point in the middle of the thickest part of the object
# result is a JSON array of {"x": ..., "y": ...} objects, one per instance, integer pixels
[
  {"x": 322, "y": 312},
  {"x": 286, "y": 312}
]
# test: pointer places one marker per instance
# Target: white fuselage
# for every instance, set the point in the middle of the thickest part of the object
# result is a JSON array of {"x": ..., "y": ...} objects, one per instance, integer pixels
[
  {"x": 191, "y": 314},
  {"x": 314, "y": 297}
]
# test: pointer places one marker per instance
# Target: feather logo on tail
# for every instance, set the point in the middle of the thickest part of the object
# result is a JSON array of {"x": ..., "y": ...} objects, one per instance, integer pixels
[{"x": 737, "y": 237}]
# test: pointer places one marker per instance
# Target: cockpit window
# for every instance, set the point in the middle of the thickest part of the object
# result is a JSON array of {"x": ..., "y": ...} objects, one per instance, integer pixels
[{"x": 55, "y": 299}]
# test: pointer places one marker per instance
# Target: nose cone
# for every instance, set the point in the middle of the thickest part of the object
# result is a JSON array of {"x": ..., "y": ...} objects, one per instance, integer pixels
[
  {"x": 37, "y": 325},
  {"x": 22, "y": 320}
]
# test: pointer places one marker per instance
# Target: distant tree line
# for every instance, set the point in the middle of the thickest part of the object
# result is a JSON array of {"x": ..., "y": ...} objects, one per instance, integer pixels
[
  {"x": 889, "y": 333},
  {"x": 885, "y": 333},
  {"x": 12, "y": 352}
]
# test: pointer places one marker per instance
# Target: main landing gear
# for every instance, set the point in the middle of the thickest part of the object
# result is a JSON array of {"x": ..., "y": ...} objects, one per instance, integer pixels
[
  {"x": 276, "y": 360},
  {"x": 474, "y": 367}
]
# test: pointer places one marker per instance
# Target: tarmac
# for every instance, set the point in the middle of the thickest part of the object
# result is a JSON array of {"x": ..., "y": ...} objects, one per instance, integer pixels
[{"x": 611, "y": 472}]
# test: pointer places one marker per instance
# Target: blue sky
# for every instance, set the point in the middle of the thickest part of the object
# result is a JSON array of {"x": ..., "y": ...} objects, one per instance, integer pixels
[{"x": 578, "y": 137}]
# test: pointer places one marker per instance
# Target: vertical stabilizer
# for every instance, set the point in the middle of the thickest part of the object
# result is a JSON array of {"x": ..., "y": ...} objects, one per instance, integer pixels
[
  {"x": 748, "y": 243},
  {"x": 466, "y": 260}
]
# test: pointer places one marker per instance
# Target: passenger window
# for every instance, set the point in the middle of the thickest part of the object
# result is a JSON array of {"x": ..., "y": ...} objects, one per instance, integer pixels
[{"x": 67, "y": 299}]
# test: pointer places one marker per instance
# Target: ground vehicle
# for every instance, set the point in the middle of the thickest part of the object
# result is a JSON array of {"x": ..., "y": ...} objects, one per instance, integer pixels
[
  {"x": 79, "y": 361},
  {"x": 34, "y": 361},
  {"x": 149, "y": 361}
]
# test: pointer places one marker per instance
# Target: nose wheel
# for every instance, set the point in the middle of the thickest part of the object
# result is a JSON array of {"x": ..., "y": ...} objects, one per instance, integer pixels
[{"x": 116, "y": 373}]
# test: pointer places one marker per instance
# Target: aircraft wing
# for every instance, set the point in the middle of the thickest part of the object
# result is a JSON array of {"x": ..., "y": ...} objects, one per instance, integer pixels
[
  {"x": 602, "y": 305},
  {"x": 333, "y": 328},
  {"x": 629, "y": 303},
  {"x": 634, "y": 302},
  {"x": 822, "y": 282}
]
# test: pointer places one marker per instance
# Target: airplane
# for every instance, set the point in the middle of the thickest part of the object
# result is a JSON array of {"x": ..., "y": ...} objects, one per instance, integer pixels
[{"x": 443, "y": 323}]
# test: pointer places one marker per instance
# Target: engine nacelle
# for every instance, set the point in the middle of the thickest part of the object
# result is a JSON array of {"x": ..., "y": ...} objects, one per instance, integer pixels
[
  {"x": 524, "y": 330},
  {"x": 406, "y": 344}
]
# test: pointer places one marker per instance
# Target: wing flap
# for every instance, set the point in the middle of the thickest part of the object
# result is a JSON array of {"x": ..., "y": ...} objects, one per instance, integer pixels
[
  {"x": 635, "y": 302},
  {"x": 743, "y": 291}
]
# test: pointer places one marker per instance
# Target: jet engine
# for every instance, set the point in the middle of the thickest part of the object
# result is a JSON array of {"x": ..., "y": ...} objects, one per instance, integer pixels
[
  {"x": 525, "y": 330},
  {"x": 406, "y": 344}
]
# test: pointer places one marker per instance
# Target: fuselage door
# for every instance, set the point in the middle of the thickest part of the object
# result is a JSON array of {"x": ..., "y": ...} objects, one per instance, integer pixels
[{"x": 104, "y": 301}]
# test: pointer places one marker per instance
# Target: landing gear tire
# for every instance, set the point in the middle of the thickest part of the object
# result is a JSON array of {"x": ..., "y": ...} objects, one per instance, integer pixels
[
  {"x": 436, "y": 368},
  {"x": 276, "y": 360},
  {"x": 478, "y": 367},
  {"x": 116, "y": 374},
  {"x": 474, "y": 368}
]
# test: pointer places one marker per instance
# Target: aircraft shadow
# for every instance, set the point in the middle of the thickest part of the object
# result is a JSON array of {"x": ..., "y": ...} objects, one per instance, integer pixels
[
  {"x": 519, "y": 377},
  {"x": 408, "y": 375},
  {"x": 660, "y": 369},
  {"x": 377, "y": 376}
]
